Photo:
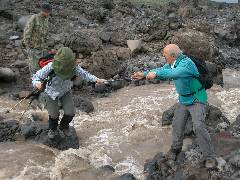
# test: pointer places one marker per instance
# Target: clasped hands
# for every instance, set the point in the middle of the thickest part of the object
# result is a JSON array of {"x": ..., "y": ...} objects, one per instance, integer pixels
[{"x": 140, "y": 75}]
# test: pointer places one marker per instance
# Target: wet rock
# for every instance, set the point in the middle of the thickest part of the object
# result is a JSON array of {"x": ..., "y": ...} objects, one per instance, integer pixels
[
  {"x": 37, "y": 132},
  {"x": 84, "y": 42},
  {"x": 231, "y": 78},
  {"x": 101, "y": 88},
  {"x": 134, "y": 45},
  {"x": 8, "y": 130},
  {"x": 107, "y": 168},
  {"x": 215, "y": 72},
  {"x": 78, "y": 82},
  {"x": 195, "y": 43},
  {"x": 168, "y": 115},
  {"x": 234, "y": 128},
  {"x": 126, "y": 176},
  {"x": 235, "y": 160},
  {"x": 22, "y": 21},
  {"x": 7, "y": 75},
  {"x": 225, "y": 143},
  {"x": 195, "y": 173},
  {"x": 83, "y": 104},
  {"x": 117, "y": 84},
  {"x": 214, "y": 117}
]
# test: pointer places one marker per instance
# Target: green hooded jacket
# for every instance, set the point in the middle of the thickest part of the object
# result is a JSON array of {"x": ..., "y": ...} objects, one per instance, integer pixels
[{"x": 64, "y": 63}]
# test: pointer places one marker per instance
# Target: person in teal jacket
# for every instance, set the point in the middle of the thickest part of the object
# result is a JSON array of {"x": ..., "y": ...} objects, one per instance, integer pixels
[{"x": 192, "y": 100}]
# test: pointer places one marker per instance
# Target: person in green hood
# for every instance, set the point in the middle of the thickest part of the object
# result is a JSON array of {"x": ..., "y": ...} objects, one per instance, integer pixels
[
  {"x": 58, "y": 88},
  {"x": 192, "y": 100}
]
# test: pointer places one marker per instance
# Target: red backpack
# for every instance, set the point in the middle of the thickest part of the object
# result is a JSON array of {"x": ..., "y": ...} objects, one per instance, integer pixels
[{"x": 43, "y": 61}]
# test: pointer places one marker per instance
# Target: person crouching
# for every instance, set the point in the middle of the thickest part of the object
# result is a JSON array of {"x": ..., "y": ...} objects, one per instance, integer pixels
[{"x": 58, "y": 88}]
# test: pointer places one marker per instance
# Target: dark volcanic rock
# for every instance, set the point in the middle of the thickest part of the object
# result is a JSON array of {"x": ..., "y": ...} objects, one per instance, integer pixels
[
  {"x": 195, "y": 43},
  {"x": 214, "y": 117},
  {"x": 225, "y": 143},
  {"x": 234, "y": 128},
  {"x": 8, "y": 130},
  {"x": 84, "y": 42},
  {"x": 83, "y": 104},
  {"x": 37, "y": 131},
  {"x": 106, "y": 64},
  {"x": 126, "y": 176},
  {"x": 7, "y": 75}
]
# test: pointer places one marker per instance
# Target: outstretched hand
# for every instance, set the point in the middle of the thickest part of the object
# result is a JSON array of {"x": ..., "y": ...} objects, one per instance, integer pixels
[
  {"x": 151, "y": 75},
  {"x": 101, "y": 81},
  {"x": 138, "y": 75}
]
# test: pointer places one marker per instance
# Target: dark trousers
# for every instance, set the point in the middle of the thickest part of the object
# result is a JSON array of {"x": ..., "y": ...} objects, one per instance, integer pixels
[
  {"x": 198, "y": 114},
  {"x": 53, "y": 109}
]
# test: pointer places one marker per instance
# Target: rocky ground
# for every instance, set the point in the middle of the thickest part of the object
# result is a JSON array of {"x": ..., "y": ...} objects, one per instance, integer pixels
[{"x": 98, "y": 32}]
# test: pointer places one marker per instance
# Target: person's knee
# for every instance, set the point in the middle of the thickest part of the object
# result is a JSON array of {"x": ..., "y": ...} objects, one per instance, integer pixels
[
  {"x": 199, "y": 126},
  {"x": 70, "y": 112}
]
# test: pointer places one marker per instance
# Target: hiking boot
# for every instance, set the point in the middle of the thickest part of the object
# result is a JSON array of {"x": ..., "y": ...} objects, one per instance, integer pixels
[
  {"x": 210, "y": 163},
  {"x": 51, "y": 133},
  {"x": 172, "y": 154}
]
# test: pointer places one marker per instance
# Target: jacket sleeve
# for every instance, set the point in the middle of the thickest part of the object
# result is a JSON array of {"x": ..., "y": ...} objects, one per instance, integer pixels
[
  {"x": 41, "y": 74},
  {"x": 84, "y": 74},
  {"x": 166, "y": 66},
  {"x": 181, "y": 71},
  {"x": 28, "y": 30}
]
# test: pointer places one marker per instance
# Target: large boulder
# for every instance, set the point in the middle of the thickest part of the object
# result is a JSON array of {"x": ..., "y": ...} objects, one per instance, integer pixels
[
  {"x": 22, "y": 21},
  {"x": 37, "y": 131},
  {"x": 234, "y": 128},
  {"x": 7, "y": 75},
  {"x": 8, "y": 130},
  {"x": 158, "y": 29},
  {"x": 84, "y": 42},
  {"x": 231, "y": 78},
  {"x": 214, "y": 119},
  {"x": 83, "y": 104},
  {"x": 215, "y": 72},
  {"x": 134, "y": 45},
  {"x": 195, "y": 43},
  {"x": 108, "y": 63}
]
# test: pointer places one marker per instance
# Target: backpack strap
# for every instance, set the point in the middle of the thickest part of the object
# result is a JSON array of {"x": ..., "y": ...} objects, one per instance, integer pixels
[{"x": 48, "y": 79}]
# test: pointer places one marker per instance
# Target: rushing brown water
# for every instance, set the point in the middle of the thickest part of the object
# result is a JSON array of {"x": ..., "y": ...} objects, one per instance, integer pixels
[{"x": 124, "y": 131}]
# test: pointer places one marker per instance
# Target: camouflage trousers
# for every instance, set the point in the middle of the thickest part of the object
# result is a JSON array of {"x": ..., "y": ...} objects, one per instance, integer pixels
[{"x": 33, "y": 56}]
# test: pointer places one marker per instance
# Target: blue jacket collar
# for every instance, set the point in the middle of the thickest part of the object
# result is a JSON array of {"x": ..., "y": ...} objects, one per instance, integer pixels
[{"x": 179, "y": 58}]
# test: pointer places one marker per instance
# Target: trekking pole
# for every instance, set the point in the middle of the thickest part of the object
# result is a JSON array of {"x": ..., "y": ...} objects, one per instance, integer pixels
[
  {"x": 16, "y": 104},
  {"x": 33, "y": 93}
]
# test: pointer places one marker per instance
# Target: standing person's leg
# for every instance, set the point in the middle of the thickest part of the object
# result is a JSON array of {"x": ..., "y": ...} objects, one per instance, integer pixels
[
  {"x": 53, "y": 112},
  {"x": 30, "y": 61},
  {"x": 33, "y": 57},
  {"x": 179, "y": 121},
  {"x": 198, "y": 113},
  {"x": 69, "y": 112}
]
